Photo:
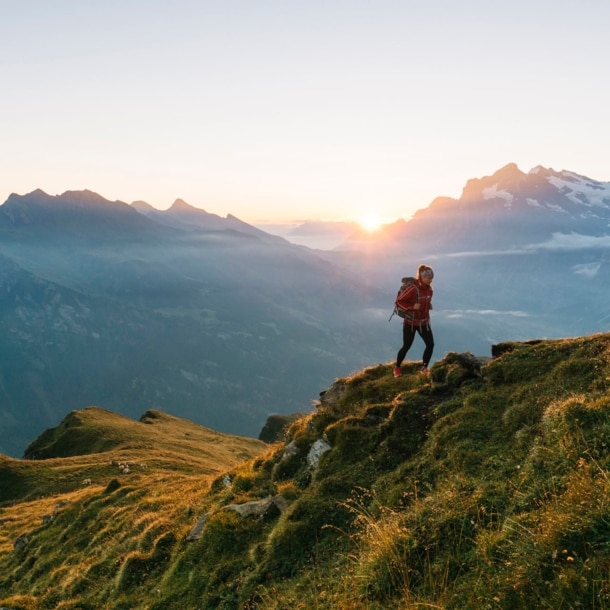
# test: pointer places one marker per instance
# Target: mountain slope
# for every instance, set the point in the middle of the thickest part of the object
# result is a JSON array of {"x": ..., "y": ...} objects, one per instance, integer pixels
[
  {"x": 89, "y": 443},
  {"x": 505, "y": 211},
  {"x": 518, "y": 255},
  {"x": 79, "y": 215},
  {"x": 181, "y": 215},
  {"x": 226, "y": 327},
  {"x": 104, "y": 306},
  {"x": 484, "y": 485}
]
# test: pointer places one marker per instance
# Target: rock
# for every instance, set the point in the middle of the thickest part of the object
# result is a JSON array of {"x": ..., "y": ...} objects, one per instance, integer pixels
[
  {"x": 197, "y": 530},
  {"x": 257, "y": 508},
  {"x": 333, "y": 394},
  {"x": 290, "y": 450},
  {"x": 318, "y": 449},
  {"x": 468, "y": 361},
  {"x": 260, "y": 508},
  {"x": 281, "y": 503},
  {"x": 20, "y": 543},
  {"x": 275, "y": 427}
]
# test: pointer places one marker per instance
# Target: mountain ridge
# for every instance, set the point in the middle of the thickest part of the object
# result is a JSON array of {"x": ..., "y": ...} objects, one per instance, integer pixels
[
  {"x": 182, "y": 215},
  {"x": 505, "y": 210},
  {"x": 227, "y": 328},
  {"x": 198, "y": 322},
  {"x": 483, "y": 484},
  {"x": 79, "y": 216}
]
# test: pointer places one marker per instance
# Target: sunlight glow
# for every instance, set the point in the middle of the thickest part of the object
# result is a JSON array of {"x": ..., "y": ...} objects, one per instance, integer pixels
[{"x": 370, "y": 222}]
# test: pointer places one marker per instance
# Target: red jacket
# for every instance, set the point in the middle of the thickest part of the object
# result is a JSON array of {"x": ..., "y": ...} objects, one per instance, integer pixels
[{"x": 421, "y": 294}]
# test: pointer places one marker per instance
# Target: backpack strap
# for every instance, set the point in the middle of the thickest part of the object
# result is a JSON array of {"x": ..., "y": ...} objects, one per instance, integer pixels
[
  {"x": 412, "y": 320},
  {"x": 407, "y": 282}
]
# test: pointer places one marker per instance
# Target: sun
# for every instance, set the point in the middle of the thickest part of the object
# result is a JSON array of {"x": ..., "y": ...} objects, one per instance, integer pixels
[{"x": 370, "y": 222}]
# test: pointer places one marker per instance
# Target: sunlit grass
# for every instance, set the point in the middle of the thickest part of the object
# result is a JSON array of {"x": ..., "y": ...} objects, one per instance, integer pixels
[{"x": 464, "y": 489}]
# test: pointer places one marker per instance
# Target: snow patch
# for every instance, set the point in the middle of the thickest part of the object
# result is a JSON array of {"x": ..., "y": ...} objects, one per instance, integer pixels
[
  {"x": 555, "y": 208},
  {"x": 582, "y": 190},
  {"x": 492, "y": 192}
]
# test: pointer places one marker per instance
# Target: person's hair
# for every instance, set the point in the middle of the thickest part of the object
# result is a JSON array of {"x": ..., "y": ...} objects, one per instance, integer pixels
[{"x": 424, "y": 270}]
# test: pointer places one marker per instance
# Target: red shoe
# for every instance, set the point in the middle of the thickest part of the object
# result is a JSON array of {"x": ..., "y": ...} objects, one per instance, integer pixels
[
  {"x": 424, "y": 370},
  {"x": 397, "y": 372}
]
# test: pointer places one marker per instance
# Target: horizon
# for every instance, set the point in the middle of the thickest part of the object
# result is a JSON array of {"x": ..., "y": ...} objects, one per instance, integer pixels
[
  {"x": 316, "y": 236},
  {"x": 288, "y": 113}
]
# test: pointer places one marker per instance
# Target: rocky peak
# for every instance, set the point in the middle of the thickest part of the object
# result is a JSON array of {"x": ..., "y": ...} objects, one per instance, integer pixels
[{"x": 506, "y": 179}]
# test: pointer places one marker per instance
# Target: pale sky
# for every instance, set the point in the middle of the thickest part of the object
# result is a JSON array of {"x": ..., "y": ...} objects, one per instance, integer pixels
[{"x": 291, "y": 110}]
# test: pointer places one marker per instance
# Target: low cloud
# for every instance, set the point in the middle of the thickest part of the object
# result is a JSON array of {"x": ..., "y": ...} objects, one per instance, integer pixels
[
  {"x": 572, "y": 241},
  {"x": 558, "y": 241},
  {"x": 463, "y": 313},
  {"x": 588, "y": 270},
  {"x": 474, "y": 253}
]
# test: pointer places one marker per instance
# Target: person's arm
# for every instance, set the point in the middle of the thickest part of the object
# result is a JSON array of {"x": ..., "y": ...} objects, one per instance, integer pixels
[{"x": 408, "y": 299}]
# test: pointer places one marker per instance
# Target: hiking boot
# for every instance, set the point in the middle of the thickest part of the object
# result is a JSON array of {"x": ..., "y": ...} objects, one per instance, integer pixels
[
  {"x": 397, "y": 371},
  {"x": 424, "y": 370}
]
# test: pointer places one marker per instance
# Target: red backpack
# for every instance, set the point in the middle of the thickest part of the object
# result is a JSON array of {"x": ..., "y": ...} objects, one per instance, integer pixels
[{"x": 404, "y": 284}]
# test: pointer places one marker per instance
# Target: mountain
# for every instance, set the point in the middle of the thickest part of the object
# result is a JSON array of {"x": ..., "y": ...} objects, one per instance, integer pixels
[
  {"x": 509, "y": 210},
  {"x": 76, "y": 215},
  {"x": 94, "y": 431},
  {"x": 517, "y": 255},
  {"x": 87, "y": 442},
  {"x": 109, "y": 304},
  {"x": 104, "y": 306},
  {"x": 181, "y": 215},
  {"x": 484, "y": 484}
]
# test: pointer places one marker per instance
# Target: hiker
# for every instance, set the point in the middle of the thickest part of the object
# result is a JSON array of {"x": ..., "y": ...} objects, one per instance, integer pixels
[{"x": 417, "y": 300}]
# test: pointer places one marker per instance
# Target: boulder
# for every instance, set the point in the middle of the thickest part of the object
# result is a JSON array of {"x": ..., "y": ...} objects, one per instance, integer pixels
[{"x": 318, "y": 449}]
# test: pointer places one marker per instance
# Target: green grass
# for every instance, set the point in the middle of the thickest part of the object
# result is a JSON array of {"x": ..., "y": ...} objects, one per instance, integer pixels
[{"x": 466, "y": 489}]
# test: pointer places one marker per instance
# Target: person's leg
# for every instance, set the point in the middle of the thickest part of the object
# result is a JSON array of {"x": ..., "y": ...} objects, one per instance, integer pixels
[
  {"x": 408, "y": 334},
  {"x": 428, "y": 337}
]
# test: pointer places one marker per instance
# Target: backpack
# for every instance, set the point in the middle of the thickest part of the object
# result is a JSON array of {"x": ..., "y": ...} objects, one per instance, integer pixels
[{"x": 404, "y": 284}]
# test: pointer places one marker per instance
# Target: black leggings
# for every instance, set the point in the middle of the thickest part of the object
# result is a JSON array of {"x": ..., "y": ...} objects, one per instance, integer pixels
[{"x": 408, "y": 334}]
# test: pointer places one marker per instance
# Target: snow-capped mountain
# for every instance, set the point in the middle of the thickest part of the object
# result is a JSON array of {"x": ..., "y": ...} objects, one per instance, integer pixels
[
  {"x": 518, "y": 255},
  {"x": 510, "y": 210}
]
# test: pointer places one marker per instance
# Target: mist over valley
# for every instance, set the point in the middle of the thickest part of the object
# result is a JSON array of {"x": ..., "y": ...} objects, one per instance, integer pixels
[{"x": 211, "y": 319}]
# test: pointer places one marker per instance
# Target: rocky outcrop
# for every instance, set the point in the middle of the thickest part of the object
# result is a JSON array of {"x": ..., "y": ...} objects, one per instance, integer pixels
[
  {"x": 333, "y": 394},
  {"x": 267, "y": 507},
  {"x": 318, "y": 449}
]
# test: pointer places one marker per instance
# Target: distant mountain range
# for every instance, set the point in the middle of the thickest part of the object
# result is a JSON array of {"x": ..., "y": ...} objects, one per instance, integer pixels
[
  {"x": 517, "y": 255},
  {"x": 211, "y": 319},
  {"x": 509, "y": 210},
  {"x": 186, "y": 217},
  {"x": 208, "y": 318}
]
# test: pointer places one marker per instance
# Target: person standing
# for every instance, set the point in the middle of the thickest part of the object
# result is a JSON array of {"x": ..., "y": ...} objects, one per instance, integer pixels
[{"x": 417, "y": 300}]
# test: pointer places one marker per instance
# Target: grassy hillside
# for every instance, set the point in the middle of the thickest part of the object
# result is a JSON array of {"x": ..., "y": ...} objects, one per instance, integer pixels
[
  {"x": 484, "y": 485},
  {"x": 95, "y": 445}
]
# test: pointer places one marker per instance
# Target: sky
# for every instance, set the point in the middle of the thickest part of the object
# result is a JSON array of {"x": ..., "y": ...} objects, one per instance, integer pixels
[{"x": 292, "y": 110}]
